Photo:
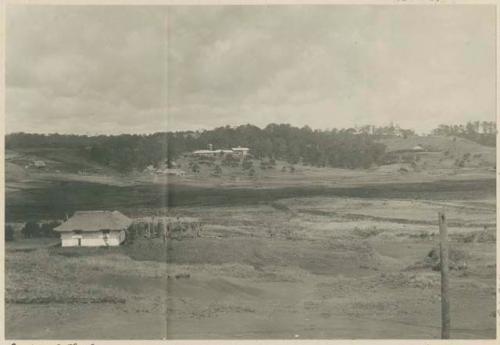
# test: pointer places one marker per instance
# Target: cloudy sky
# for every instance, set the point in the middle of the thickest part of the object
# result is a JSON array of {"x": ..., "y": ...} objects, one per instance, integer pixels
[{"x": 139, "y": 69}]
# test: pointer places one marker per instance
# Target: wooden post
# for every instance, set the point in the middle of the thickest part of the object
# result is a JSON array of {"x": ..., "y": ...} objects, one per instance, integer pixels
[
  {"x": 445, "y": 301},
  {"x": 164, "y": 231}
]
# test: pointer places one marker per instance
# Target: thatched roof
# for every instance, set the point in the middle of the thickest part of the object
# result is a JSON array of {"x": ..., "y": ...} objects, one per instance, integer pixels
[{"x": 95, "y": 221}]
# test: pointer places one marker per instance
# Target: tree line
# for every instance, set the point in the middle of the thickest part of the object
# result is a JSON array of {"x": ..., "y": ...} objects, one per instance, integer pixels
[
  {"x": 483, "y": 132},
  {"x": 33, "y": 230},
  {"x": 343, "y": 148}
]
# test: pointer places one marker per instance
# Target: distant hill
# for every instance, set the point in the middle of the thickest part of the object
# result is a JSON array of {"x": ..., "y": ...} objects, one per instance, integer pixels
[
  {"x": 351, "y": 148},
  {"x": 343, "y": 148},
  {"x": 454, "y": 145},
  {"x": 55, "y": 159},
  {"x": 443, "y": 151}
]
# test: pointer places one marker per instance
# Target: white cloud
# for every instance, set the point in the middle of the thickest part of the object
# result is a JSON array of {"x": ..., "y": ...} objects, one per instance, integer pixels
[{"x": 104, "y": 69}]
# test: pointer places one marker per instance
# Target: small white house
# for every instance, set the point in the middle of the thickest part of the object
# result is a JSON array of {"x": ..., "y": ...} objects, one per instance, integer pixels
[
  {"x": 241, "y": 150},
  {"x": 39, "y": 164},
  {"x": 149, "y": 169},
  {"x": 204, "y": 153},
  {"x": 94, "y": 229}
]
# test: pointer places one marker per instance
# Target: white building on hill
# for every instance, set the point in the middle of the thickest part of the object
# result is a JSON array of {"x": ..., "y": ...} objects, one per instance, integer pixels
[
  {"x": 39, "y": 164},
  {"x": 241, "y": 150},
  {"x": 94, "y": 229},
  {"x": 237, "y": 151},
  {"x": 204, "y": 153}
]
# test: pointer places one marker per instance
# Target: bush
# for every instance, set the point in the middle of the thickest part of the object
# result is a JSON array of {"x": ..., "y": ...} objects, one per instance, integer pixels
[
  {"x": 460, "y": 163},
  {"x": 131, "y": 235},
  {"x": 457, "y": 259},
  {"x": 9, "y": 233},
  {"x": 247, "y": 164},
  {"x": 217, "y": 170},
  {"x": 31, "y": 229},
  {"x": 231, "y": 161},
  {"x": 251, "y": 172},
  {"x": 195, "y": 168},
  {"x": 47, "y": 229}
]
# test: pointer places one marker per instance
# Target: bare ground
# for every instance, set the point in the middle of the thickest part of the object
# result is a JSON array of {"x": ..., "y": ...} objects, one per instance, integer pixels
[{"x": 297, "y": 268}]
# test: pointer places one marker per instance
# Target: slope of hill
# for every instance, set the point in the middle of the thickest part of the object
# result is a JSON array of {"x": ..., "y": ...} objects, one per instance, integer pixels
[
  {"x": 61, "y": 159},
  {"x": 445, "y": 148},
  {"x": 443, "y": 158},
  {"x": 438, "y": 143}
]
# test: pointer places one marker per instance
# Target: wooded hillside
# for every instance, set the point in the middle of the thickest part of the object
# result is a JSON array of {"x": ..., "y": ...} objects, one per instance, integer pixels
[{"x": 345, "y": 148}]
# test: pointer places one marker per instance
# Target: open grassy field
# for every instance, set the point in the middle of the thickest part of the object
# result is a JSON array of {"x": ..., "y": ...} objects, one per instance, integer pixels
[
  {"x": 313, "y": 253},
  {"x": 352, "y": 263}
]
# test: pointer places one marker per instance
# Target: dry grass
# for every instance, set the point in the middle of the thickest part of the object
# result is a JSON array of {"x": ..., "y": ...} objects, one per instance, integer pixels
[
  {"x": 43, "y": 277},
  {"x": 257, "y": 261}
]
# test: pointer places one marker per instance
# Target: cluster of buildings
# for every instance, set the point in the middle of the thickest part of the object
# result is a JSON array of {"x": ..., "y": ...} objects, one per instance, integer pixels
[
  {"x": 235, "y": 151},
  {"x": 36, "y": 164},
  {"x": 404, "y": 155}
]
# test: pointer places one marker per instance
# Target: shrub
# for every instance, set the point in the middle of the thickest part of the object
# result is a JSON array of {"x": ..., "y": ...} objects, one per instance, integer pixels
[
  {"x": 195, "y": 168},
  {"x": 457, "y": 259},
  {"x": 31, "y": 229},
  {"x": 247, "y": 164},
  {"x": 131, "y": 235},
  {"x": 47, "y": 229},
  {"x": 9, "y": 233},
  {"x": 217, "y": 170},
  {"x": 230, "y": 160},
  {"x": 459, "y": 163}
]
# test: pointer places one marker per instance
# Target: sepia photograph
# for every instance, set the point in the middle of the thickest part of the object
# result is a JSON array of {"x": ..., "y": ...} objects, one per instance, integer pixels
[{"x": 250, "y": 171}]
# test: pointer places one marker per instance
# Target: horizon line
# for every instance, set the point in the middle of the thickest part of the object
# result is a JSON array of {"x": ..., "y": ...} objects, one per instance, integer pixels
[{"x": 236, "y": 126}]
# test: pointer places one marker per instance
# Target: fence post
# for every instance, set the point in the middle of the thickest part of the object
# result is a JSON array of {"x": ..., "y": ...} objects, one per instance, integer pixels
[{"x": 443, "y": 253}]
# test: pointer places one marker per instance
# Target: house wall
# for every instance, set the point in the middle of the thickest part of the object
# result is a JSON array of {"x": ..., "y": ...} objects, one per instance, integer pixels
[{"x": 92, "y": 238}]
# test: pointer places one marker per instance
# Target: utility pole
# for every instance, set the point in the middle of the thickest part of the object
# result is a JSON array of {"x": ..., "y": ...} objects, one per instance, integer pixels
[{"x": 445, "y": 300}]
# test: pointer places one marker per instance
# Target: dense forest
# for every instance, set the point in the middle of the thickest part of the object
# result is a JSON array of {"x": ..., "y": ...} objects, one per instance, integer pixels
[{"x": 345, "y": 148}]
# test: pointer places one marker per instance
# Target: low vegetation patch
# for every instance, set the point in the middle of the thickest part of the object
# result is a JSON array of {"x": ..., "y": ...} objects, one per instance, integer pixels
[
  {"x": 367, "y": 232},
  {"x": 487, "y": 235},
  {"x": 83, "y": 251},
  {"x": 65, "y": 300},
  {"x": 457, "y": 260},
  {"x": 40, "y": 278}
]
